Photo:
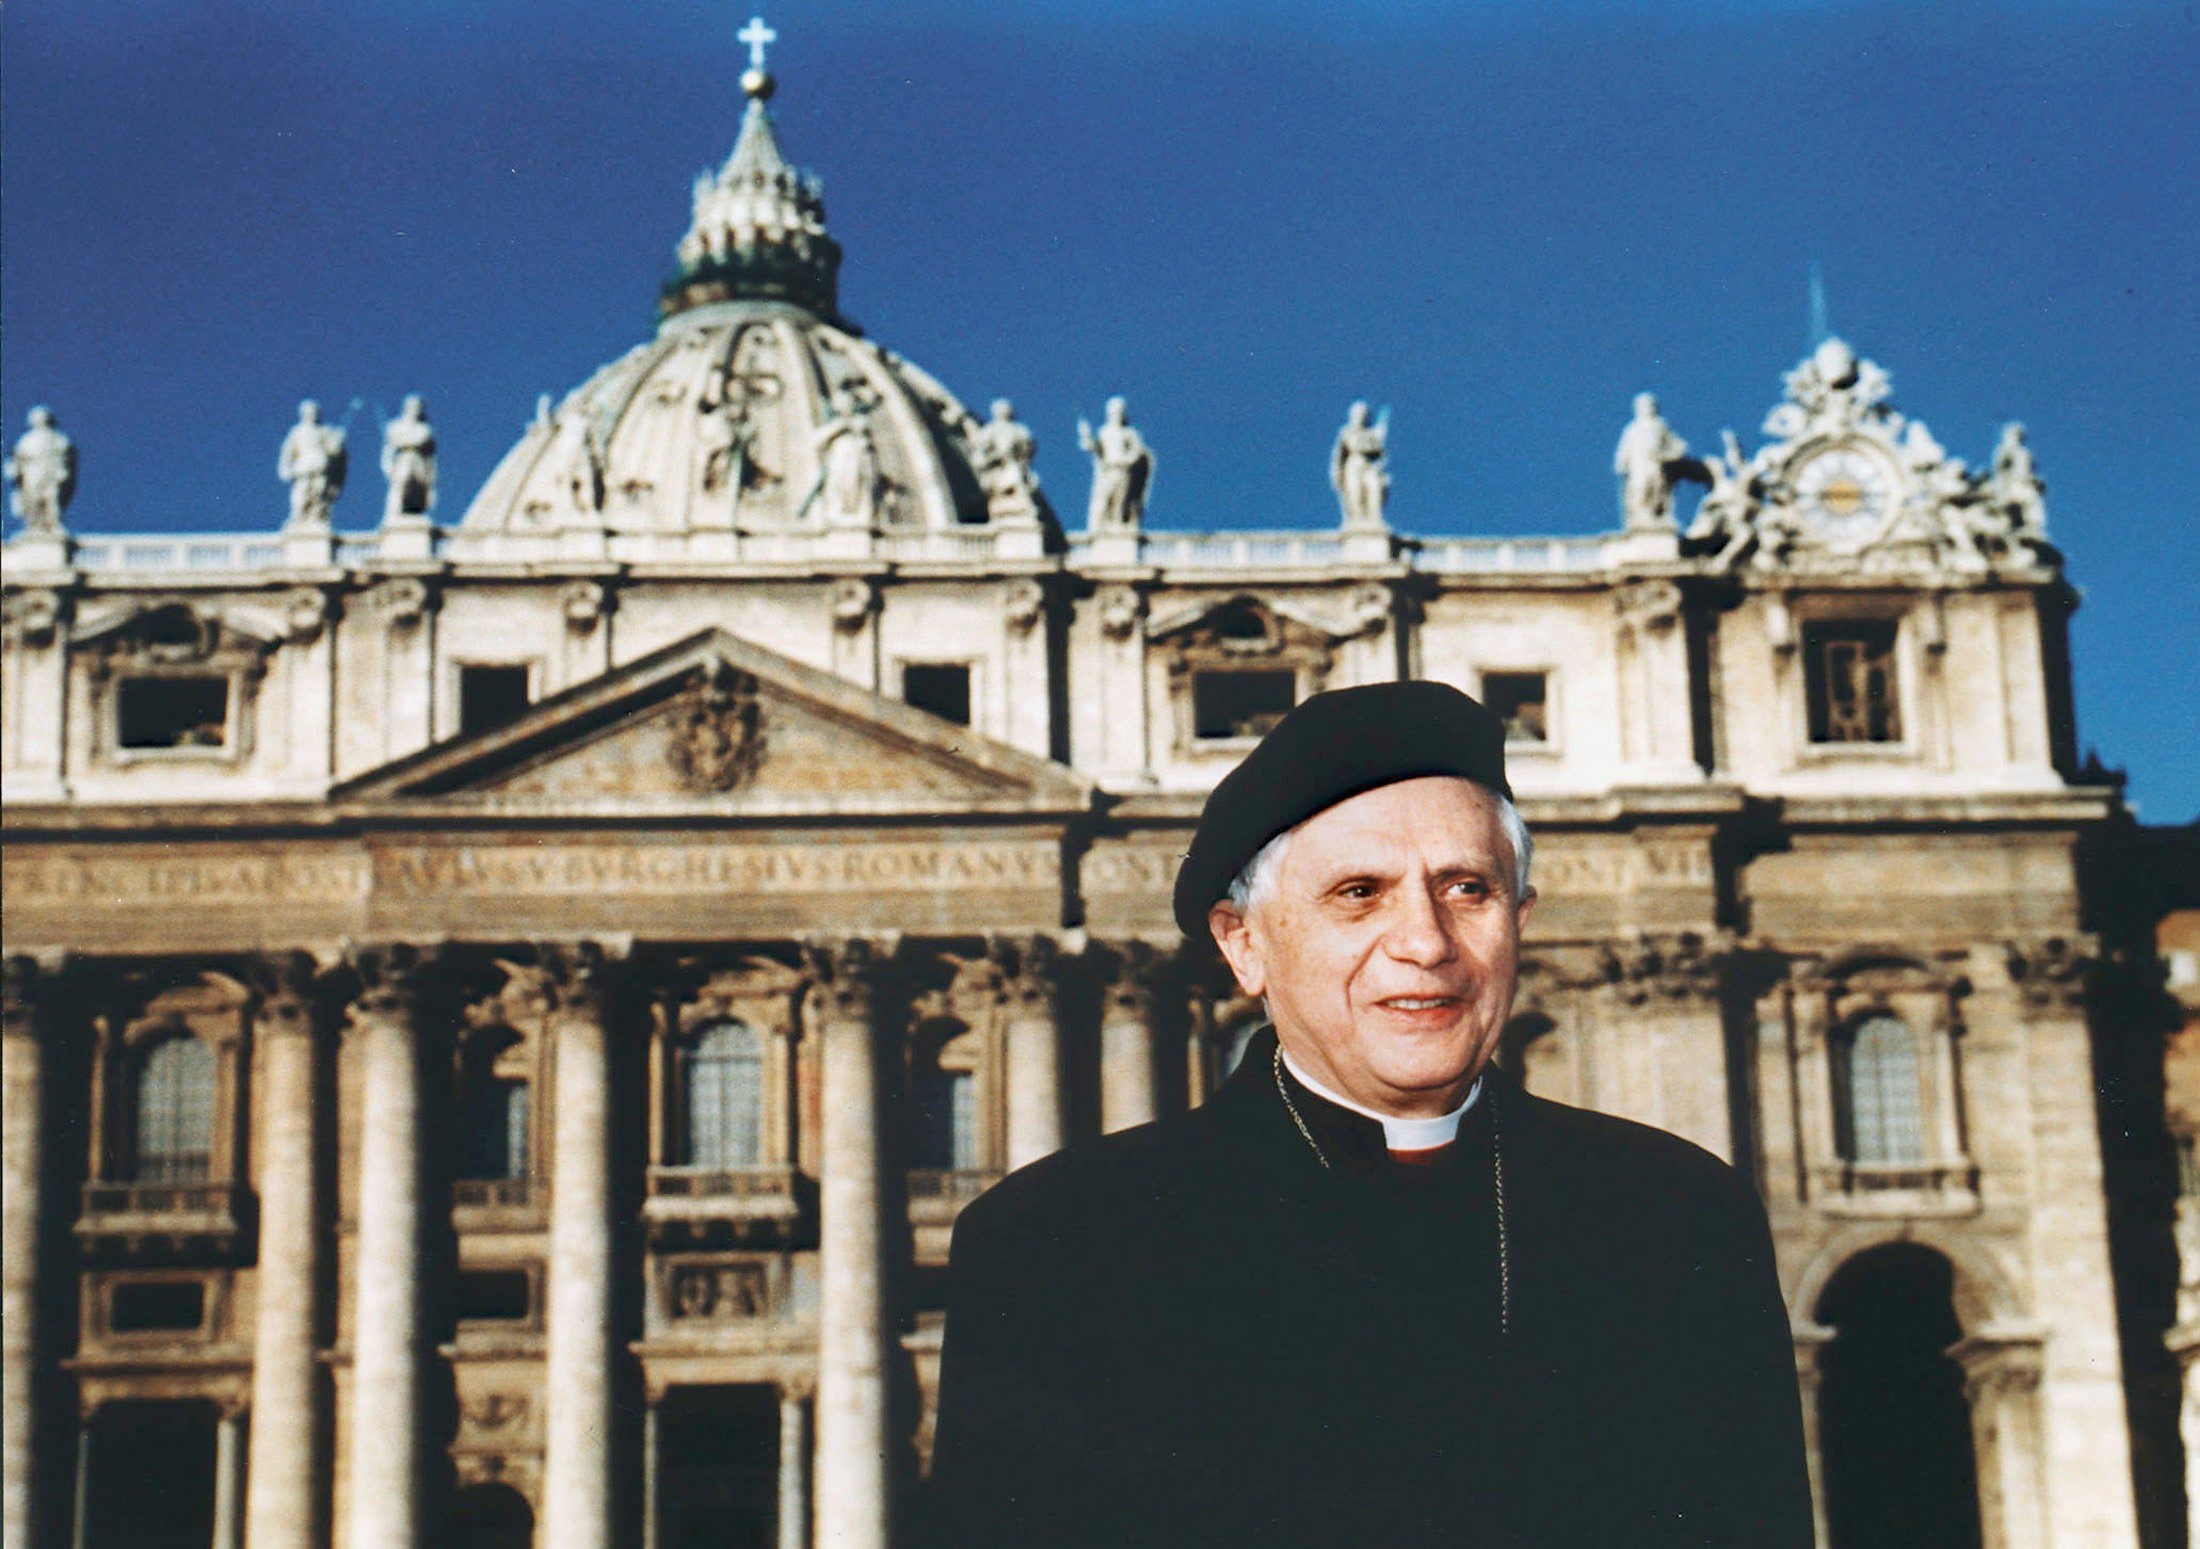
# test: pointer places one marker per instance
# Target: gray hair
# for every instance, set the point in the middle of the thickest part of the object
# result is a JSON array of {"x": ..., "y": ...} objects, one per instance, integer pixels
[{"x": 1258, "y": 877}]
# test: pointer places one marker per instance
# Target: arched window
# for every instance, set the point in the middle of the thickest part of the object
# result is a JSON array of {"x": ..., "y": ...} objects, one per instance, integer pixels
[
  {"x": 1877, "y": 1112},
  {"x": 944, "y": 1091},
  {"x": 724, "y": 1097},
  {"x": 173, "y": 1112}
]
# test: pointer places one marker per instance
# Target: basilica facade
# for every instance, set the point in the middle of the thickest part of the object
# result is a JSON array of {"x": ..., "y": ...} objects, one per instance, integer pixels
[{"x": 502, "y": 1015}]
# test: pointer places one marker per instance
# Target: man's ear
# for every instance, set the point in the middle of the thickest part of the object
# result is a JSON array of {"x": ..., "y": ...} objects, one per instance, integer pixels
[
  {"x": 1233, "y": 934},
  {"x": 1525, "y": 908}
]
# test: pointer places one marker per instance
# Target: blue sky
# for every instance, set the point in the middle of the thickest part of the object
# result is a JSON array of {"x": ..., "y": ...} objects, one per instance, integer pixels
[{"x": 1500, "y": 220}]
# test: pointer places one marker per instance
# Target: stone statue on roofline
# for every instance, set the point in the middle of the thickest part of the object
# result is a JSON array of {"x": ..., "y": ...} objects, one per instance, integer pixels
[
  {"x": 2016, "y": 486},
  {"x": 1644, "y": 460},
  {"x": 1359, "y": 469},
  {"x": 313, "y": 462},
  {"x": 1122, "y": 471},
  {"x": 42, "y": 474},
  {"x": 1004, "y": 447},
  {"x": 408, "y": 462}
]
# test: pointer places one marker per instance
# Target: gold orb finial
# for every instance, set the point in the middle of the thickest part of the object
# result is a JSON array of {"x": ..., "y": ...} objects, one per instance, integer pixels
[{"x": 758, "y": 84}]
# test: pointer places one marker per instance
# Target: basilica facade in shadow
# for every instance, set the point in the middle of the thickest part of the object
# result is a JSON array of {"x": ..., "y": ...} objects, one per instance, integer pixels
[{"x": 501, "y": 1015}]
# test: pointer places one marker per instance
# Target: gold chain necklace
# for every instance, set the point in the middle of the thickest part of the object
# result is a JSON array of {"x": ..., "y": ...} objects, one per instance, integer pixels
[{"x": 1497, "y": 1179}]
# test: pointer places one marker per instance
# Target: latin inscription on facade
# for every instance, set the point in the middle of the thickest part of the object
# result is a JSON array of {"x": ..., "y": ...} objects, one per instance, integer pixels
[{"x": 566, "y": 870}]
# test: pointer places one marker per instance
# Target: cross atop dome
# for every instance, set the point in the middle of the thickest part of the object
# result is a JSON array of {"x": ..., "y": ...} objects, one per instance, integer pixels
[{"x": 756, "y": 80}]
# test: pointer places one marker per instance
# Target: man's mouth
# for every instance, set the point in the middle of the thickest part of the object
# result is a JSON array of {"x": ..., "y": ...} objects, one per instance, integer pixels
[{"x": 1419, "y": 1002}]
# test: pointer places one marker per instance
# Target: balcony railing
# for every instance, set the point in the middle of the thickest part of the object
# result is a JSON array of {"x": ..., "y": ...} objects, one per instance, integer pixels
[
  {"x": 1900, "y": 1188},
  {"x": 940, "y": 1194},
  {"x": 137, "y": 1217},
  {"x": 493, "y": 1193},
  {"x": 700, "y": 1195}
]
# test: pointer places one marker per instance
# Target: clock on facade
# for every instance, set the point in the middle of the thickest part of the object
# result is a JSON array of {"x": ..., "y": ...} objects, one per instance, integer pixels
[{"x": 1844, "y": 494}]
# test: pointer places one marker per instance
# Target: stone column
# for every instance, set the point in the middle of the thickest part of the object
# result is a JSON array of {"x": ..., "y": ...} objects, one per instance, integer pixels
[
  {"x": 389, "y": 1337},
  {"x": 577, "y": 1442},
  {"x": 1128, "y": 1077},
  {"x": 1810, "y": 1343},
  {"x": 25, "y": 1031},
  {"x": 2001, "y": 1382},
  {"x": 282, "y": 1495},
  {"x": 651, "y": 1422},
  {"x": 80, "y": 1495},
  {"x": 854, "y": 1489},
  {"x": 1026, "y": 978},
  {"x": 229, "y": 1450},
  {"x": 794, "y": 1468}
]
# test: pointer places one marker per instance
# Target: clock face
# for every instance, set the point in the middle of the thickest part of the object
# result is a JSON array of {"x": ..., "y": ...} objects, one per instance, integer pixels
[{"x": 1845, "y": 494}]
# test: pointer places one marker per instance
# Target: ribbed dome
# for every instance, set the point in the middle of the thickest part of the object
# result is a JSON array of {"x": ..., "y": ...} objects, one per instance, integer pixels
[
  {"x": 724, "y": 422},
  {"x": 756, "y": 408}
]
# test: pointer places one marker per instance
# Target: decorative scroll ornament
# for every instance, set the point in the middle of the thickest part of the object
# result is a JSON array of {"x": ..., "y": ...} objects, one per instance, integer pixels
[{"x": 718, "y": 730}]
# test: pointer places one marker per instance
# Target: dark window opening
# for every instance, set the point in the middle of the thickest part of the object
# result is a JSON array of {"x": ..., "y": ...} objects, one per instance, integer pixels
[
  {"x": 496, "y": 1129},
  {"x": 942, "y": 688},
  {"x": 147, "y": 1306},
  {"x": 172, "y": 712},
  {"x": 490, "y": 696},
  {"x": 1241, "y": 702},
  {"x": 1522, "y": 701},
  {"x": 1849, "y": 674},
  {"x": 494, "y": 1295}
]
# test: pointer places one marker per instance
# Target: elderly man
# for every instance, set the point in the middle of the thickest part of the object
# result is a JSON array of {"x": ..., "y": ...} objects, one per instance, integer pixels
[{"x": 1373, "y": 1293}]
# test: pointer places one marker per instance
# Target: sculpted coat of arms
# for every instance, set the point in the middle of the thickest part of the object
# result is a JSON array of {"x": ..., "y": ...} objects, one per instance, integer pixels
[{"x": 718, "y": 730}]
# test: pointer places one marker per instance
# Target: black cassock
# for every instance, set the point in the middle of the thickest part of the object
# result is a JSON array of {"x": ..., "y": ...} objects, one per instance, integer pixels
[{"x": 1193, "y": 1333}]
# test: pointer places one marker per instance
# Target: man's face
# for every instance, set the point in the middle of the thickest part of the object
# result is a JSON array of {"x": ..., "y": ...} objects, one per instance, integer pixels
[{"x": 1387, "y": 943}]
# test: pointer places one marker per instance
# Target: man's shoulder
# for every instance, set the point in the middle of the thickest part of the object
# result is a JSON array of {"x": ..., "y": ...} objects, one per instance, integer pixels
[
  {"x": 1095, "y": 1181},
  {"x": 1629, "y": 1160}
]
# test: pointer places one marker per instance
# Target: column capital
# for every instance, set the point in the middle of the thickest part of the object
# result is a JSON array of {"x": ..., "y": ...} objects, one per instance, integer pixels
[
  {"x": 291, "y": 991},
  {"x": 391, "y": 975},
  {"x": 845, "y": 971},
  {"x": 2053, "y": 974},
  {"x": 1026, "y": 972},
  {"x": 1998, "y": 1366},
  {"x": 1682, "y": 966},
  {"x": 800, "y": 1388},
  {"x": 32, "y": 982},
  {"x": 580, "y": 975},
  {"x": 1143, "y": 971}
]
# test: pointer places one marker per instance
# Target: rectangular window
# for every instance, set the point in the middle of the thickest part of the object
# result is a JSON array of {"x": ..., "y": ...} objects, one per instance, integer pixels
[
  {"x": 943, "y": 688},
  {"x": 1522, "y": 701},
  {"x": 490, "y": 695},
  {"x": 172, "y": 712},
  {"x": 494, "y": 1295},
  {"x": 1849, "y": 675},
  {"x": 156, "y": 1306},
  {"x": 1241, "y": 702}
]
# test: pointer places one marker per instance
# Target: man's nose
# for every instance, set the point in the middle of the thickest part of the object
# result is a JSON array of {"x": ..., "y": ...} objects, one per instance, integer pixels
[{"x": 1420, "y": 931}]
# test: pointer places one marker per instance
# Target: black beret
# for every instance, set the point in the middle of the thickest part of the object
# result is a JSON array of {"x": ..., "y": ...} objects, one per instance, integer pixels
[{"x": 1332, "y": 746}]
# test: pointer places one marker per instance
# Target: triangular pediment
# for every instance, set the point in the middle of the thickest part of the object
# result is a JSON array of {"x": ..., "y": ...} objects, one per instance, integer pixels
[{"x": 722, "y": 725}]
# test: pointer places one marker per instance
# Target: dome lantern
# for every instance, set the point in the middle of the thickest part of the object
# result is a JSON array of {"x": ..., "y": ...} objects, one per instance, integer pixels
[{"x": 759, "y": 228}]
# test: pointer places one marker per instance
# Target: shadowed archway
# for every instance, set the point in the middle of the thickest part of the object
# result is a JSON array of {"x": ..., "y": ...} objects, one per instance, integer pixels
[{"x": 1894, "y": 1426}]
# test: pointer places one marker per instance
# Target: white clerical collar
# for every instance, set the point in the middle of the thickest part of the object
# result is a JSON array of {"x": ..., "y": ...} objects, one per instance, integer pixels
[{"x": 1398, "y": 1134}]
